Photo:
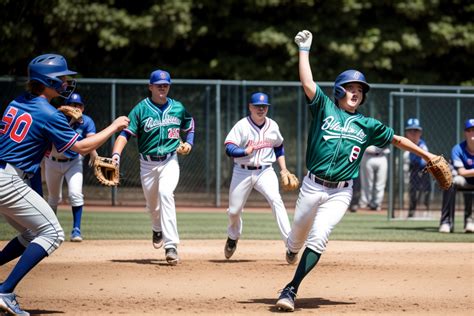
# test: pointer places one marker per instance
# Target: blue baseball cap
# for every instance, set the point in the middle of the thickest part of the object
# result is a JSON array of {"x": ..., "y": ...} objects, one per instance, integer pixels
[
  {"x": 160, "y": 77},
  {"x": 259, "y": 98},
  {"x": 413, "y": 123},
  {"x": 469, "y": 123},
  {"x": 74, "y": 98}
]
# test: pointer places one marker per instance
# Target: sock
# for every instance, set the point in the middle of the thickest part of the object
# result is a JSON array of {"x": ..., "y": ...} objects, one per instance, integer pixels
[
  {"x": 33, "y": 254},
  {"x": 12, "y": 250},
  {"x": 308, "y": 261},
  {"x": 77, "y": 216}
]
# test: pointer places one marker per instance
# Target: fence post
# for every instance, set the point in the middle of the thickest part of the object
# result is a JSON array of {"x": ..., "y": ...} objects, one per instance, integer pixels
[
  {"x": 218, "y": 144},
  {"x": 113, "y": 114}
]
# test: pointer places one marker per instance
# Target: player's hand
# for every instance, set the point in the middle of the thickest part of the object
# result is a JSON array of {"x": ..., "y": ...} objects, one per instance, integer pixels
[
  {"x": 303, "y": 39},
  {"x": 116, "y": 159},
  {"x": 249, "y": 150},
  {"x": 121, "y": 122}
]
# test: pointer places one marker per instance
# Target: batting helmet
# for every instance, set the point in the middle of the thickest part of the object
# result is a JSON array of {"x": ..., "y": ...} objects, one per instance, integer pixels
[
  {"x": 75, "y": 98},
  {"x": 47, "y": 68},
  {"x": 349, "y": 76}
]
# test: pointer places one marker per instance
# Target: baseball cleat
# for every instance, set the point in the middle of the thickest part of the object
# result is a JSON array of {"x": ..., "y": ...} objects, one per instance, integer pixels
[
  {"x": 9, "y": 304},
  {"x": 445, "y": 228},
  {"x": 286, "y": 301},
  {"x": 172, "y": 256},
  {"x": 291, "y": 257},
  {"x": 157, "y": 239},
  {"x": 469, "y": 228},
  {"x": 76, "y": 235},
  {"x": 230, "y": 247}
]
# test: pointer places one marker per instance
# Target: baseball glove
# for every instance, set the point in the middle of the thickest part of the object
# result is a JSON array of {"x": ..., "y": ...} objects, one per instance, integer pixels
[
  {"x": 183, "y": 148},
  {"x": 289, "y": 181},
  {"x": 106, "y": 171},
  {"x": 439, "y": 169},
  {"x": 72, "y": 112}
]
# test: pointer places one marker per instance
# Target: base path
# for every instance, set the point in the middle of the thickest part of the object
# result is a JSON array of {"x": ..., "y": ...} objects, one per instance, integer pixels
[{"x": 352, "y": 278}]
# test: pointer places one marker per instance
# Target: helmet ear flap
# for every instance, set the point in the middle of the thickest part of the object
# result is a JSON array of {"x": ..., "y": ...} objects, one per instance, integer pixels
[{"x": 339, "y": 92}]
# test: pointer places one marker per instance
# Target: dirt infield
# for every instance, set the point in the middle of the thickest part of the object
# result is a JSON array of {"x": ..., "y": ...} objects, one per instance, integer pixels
[{"x": 352, "y": 278}]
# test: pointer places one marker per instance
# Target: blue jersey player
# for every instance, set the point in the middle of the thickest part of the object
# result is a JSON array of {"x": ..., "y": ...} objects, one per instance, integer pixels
[{"x": 28, "y": 128}]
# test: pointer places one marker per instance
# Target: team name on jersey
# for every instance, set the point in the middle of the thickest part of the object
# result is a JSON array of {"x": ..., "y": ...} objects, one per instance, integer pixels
[
  {"x": 152, "y": 123},
  {"x": 260, "y": 144},
  {"x": 334, "y": 129}
]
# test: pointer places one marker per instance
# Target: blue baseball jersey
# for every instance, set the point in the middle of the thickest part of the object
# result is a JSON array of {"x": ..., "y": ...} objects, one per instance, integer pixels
[
  {"x": 463, "y": 159},
  {"x": 28, "y": 128},
  {"x": 87, "y": 127}
]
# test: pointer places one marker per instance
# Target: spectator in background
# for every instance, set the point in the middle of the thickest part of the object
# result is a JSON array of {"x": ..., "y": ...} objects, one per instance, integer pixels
[
  {"x": 373, "y": 177},
  {"x": 462, "y": 156},
  {"x": 419, "y": 183}
]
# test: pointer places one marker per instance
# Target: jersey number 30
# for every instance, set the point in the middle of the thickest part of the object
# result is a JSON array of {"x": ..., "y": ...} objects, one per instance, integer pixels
[{"x": 21, "y": 124}]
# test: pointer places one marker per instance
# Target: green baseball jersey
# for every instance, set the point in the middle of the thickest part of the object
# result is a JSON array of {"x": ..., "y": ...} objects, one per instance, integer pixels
[
  {"x": 158, "y": 130},
  {"x": 337, "y": 139}
]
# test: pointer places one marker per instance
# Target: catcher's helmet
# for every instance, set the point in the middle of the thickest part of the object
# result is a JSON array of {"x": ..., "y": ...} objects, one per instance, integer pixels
[
  {"x": 47, "y": 68},
  {"x": 74, "y": 98},
  {"x": 347, "y": 77}
]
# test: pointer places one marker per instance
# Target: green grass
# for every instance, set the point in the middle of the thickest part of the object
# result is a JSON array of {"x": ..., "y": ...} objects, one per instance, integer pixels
[{"x": 362, "y": 227}]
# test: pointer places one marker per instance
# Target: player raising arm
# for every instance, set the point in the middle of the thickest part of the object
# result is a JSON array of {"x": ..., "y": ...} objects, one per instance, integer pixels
[
  {"x": 29, "y": 126},
  {"x": 337, "y": 139}
]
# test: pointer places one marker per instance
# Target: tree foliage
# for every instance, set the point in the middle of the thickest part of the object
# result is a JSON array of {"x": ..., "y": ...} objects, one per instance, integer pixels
[{"x": 404, "y": 41}]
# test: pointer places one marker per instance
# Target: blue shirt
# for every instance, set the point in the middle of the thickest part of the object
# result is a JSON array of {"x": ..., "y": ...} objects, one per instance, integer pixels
[
  {"x": 28, "y": 128},
  {"x": 463, "y": 159}
]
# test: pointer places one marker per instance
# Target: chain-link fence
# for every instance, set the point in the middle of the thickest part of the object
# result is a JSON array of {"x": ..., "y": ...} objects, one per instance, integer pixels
[{"x": 217, "y": 105}]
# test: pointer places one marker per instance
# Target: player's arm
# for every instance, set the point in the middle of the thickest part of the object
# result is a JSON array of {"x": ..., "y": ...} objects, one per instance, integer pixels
[
  {"x": 303, "y": 39},
  {"x": 280, "y": 155},
  {"x": 406, "y": 144},
  {"x": 88, "y": 144},
  {"x": 235, "y": 151},
  {"x": 466, "y": 173},
  {"x": 119, "y": 145}
]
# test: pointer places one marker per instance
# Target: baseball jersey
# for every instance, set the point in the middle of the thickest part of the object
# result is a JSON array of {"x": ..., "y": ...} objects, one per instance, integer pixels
[
  {"x": 416, "y": 162},
  {"x": 463, "y": 159},
  {"x": 246, "y": 133},
  {"x": 337, "y": 139},
  {"x": 87, "y": 127},
  {"x": 158, "y": 129},
  {"x": 29, "y": 126}
]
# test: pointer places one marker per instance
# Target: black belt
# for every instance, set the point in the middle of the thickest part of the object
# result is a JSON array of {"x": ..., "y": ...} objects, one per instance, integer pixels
[
  {"x": 3, "y": 164},
  {"x": 156, "y": 158},
  {"x": 374, "y": 154},
  {"x": 61, "y": 160},
  {"x": 328, "y": 184},
  {"x": 252, "y": 167}
]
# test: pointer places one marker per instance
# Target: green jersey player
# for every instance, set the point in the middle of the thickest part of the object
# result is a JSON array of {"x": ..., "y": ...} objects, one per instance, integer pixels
[
  {"x": 337, "y": 139},
  {"x": 158, "y": 123}
]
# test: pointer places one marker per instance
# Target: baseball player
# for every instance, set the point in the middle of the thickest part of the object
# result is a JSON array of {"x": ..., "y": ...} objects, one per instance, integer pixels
[
  {"x": 337, "y": 139},
  {"x": 158, "y": 122},
  {"x": 29, "y": 126},
  {"x": 373, "y": 177},
  {"x": 255, "y": 142},
  {"x": 68, "y": 165}
]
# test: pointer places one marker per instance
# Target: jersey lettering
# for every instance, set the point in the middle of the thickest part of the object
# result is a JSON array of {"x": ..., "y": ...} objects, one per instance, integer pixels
[
  {"x": 173, "y": 133},
  {"x": 20, "y": 128},
  {"x": 355, "y": 152}
]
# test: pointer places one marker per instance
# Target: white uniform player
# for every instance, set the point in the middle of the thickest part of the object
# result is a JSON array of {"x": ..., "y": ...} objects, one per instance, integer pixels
[
  {"x": 373, "y": 177},
  {"x": 68, "y": 165},
  {"x": 255, "y": 142}
]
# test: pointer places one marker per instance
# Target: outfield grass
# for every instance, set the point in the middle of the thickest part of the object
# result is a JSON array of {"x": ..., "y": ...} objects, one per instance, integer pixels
[{"x": 363, "y": 227}]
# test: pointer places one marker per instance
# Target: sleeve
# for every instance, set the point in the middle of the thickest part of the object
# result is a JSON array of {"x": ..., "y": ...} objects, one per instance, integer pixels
[
  {"x": 59, "y": 132},
  {"x": 187, "y": 124},
  {"x": 382, "y": 135},
  {"x": 234, "y": 151},
  {"x": 134, "y": 123},
  {"x": 456, "y": 156},
  {"x": 279, "y": 151},
  {"x": 90, "y": 126},
  {"x": 279, "y": 140},
  {"x": 319, "y": 102},
  {"x": 235, "y": 136}
]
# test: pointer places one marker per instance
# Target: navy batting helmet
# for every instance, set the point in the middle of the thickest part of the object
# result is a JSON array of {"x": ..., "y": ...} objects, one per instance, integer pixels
[
  {"x": 75, "y": 98},
  {"x": 47, "y": 68},
  {"x": 349, "y": 76}
]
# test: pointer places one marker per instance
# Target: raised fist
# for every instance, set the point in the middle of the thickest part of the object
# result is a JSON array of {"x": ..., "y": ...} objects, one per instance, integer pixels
[{"x": 303, "y": 39}]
